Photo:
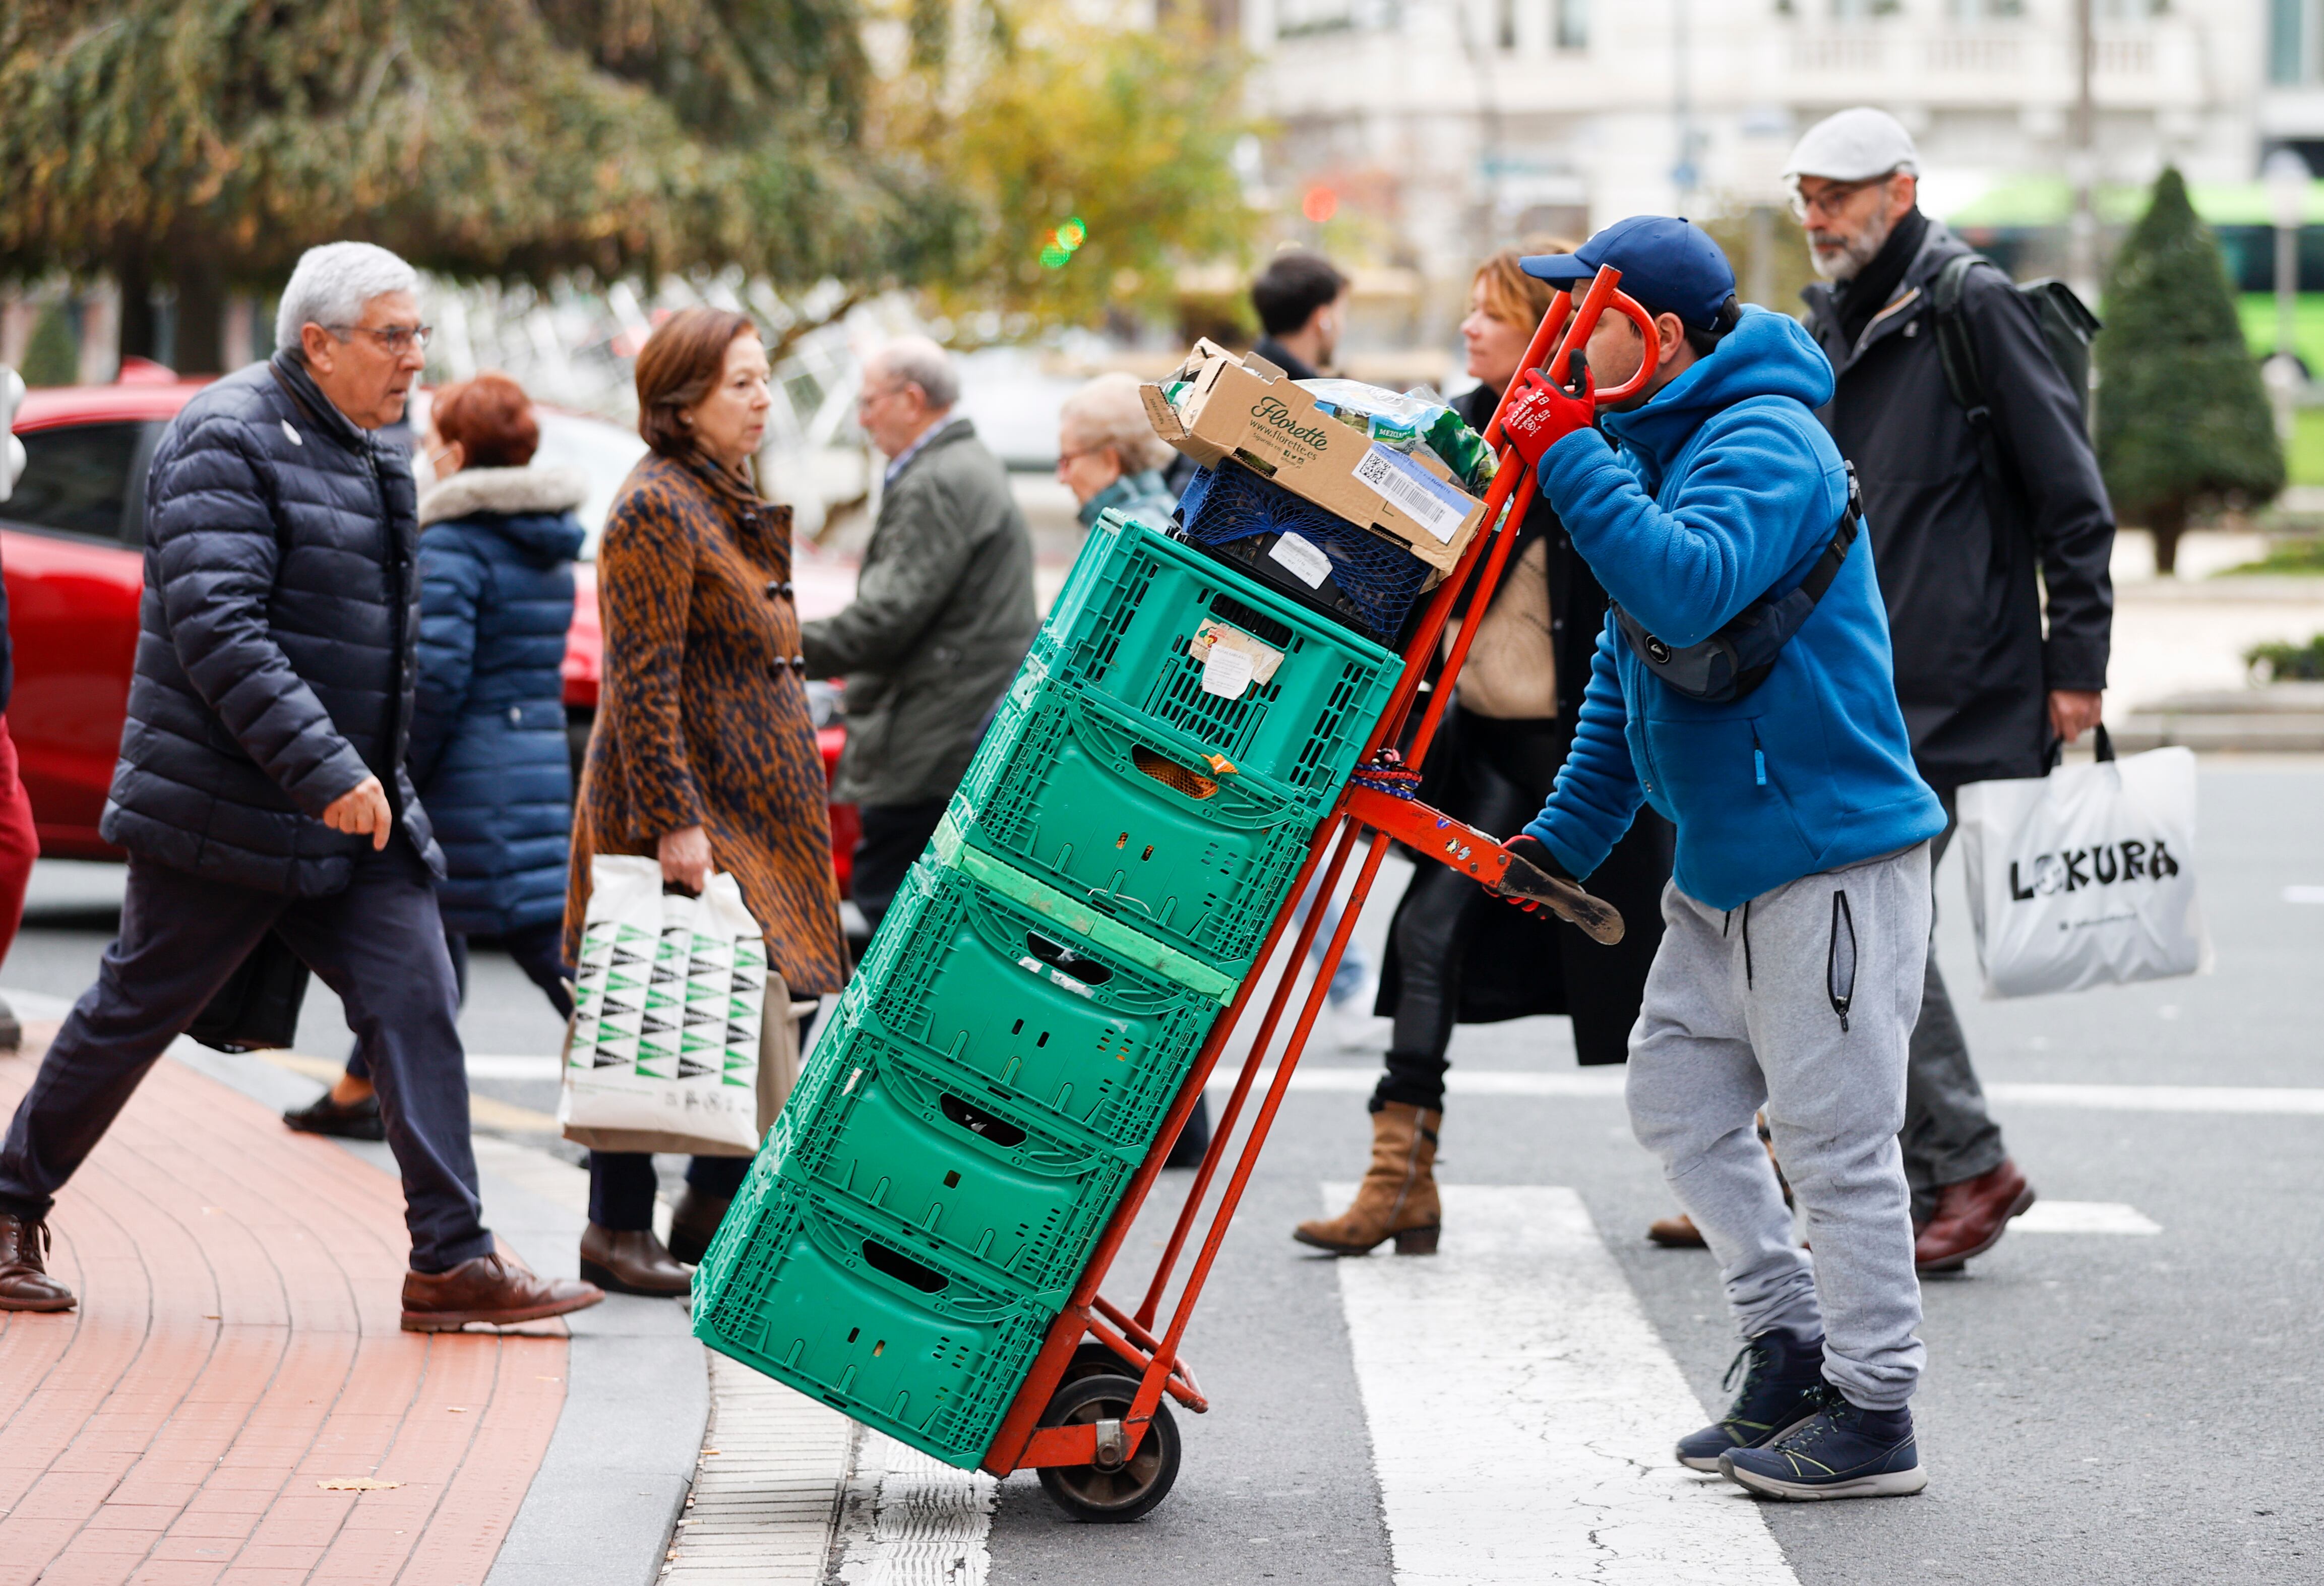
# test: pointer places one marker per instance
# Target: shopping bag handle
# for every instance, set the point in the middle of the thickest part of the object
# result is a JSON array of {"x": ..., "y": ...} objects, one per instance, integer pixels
[{"x": 2104, "y": 748}]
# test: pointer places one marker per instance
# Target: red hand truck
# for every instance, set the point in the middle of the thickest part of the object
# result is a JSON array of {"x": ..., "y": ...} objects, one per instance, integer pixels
[{"x": 1090, "y": 1416}]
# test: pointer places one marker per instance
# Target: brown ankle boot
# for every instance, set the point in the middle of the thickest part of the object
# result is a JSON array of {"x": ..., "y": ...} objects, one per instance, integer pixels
[{"x": 1397, "y": 1198}]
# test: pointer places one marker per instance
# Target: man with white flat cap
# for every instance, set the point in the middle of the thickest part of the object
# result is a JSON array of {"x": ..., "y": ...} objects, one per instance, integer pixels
[{"x": 1966, "y": 498}]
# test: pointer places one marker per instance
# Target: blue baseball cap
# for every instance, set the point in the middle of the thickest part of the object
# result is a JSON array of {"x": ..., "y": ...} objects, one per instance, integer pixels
[{"x": 1670, "y": 266}]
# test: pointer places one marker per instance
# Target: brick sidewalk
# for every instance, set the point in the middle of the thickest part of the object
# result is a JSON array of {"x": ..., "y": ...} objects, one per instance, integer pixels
[{"x": 235, "y": 1348}]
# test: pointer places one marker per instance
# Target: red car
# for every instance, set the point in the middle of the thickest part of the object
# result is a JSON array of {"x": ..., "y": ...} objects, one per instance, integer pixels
[{"x": 71, "y": 544}]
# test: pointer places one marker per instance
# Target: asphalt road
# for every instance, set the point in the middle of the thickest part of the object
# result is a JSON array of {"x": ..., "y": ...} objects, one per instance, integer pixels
[{"x": 2099, "y": 1407}]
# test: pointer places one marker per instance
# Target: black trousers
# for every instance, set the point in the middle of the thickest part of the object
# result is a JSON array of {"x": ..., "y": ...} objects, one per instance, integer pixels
[
  {"x": 894, "y": 836},
  {"x": 1439, "y": 914},
  {"x": 622, "y": 1183},
  {"x": 539, "y": 951},
  {"x": 379, "y": 944},
  {"x": 1949, "y": 1137}
]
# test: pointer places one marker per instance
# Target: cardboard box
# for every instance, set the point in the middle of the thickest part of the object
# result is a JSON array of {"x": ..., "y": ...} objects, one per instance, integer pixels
[{"x": 1248, "y": 410}]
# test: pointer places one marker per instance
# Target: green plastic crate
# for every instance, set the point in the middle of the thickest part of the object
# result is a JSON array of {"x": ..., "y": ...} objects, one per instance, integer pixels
[
  {"x": 1050, "y": 1000},
  {"x": 890, "y": 1328},
  {"x": 1129, "y": 815},
  {"x": 898, "y": 1131},
  {"x": 1132, "y": 605}
]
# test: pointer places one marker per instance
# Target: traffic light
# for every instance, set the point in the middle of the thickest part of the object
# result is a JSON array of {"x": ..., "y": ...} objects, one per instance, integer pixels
[{"x": 12, "y": 450}]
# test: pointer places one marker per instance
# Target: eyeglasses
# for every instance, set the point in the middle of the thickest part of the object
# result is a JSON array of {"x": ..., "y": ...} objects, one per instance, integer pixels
[
  {"x": 396, "y": 338},
  {"x": 1832, "y": 200},
  {"x": 868, "y": 398}
]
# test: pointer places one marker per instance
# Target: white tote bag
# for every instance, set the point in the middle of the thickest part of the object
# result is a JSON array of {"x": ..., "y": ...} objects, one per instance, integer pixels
[
  {"x": 668, "y": 1003},
  {"x": 2085, "y": 877}
]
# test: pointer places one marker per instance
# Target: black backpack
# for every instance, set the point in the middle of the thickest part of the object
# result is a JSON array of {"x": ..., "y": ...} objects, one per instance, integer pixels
[{"x": 2068, "y": 327}]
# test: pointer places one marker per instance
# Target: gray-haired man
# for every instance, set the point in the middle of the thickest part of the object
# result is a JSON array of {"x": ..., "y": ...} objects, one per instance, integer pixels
[
  {"x": 1994, "y": 664},
  {"x": 943, "y": 613},
  {"x": 261, "y": 786}
]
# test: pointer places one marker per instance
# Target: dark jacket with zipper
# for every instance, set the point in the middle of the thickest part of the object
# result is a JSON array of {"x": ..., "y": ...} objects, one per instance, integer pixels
[
  {"x": 277, "y": 642},
  {"x": 1959, "y": 560},
  {"x": 943, "y": 615},
  {"x": 1515, "y": 963},
  {"x": 489, "y": 750}
]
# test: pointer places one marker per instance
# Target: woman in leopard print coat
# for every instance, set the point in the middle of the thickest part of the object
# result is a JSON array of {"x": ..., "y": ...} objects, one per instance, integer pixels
[{"x": 703, "y": 754}]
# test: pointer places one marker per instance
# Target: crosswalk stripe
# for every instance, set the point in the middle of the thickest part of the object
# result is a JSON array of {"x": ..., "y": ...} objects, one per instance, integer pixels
[
  {"x": 2048, "y": 1216},
  {"x": 1523, "y": 1411},
  {"x": 1607, "y": 1082}
]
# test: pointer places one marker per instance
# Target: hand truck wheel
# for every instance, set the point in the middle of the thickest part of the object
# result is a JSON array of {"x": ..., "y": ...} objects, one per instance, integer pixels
[
  {"x": 1126, "y": 1491},
  {"x": 1093, "y": 1359}
]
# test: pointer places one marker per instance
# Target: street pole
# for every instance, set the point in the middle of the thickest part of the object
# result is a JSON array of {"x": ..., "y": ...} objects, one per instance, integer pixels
[
  {"x": 2083, "y": 258},
  {"x": 2287, "y": 177},
  {"x": 1684, "y": 175}
]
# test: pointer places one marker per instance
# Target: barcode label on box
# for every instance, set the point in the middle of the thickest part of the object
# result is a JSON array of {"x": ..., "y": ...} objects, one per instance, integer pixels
[{"x": 1413, "y": 490}]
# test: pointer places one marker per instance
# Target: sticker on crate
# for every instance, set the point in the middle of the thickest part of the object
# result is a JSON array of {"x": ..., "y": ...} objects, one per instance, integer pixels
[
  {"x": 1232, "y": 660},
  {"x": 669, "y": 995}
]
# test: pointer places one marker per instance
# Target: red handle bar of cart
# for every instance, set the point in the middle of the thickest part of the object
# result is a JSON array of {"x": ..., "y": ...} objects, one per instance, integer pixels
[{"x": 1026, "y": 1439}]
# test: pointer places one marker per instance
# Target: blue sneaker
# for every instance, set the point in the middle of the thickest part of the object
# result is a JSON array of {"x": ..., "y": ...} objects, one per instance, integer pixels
[
  {"x": 1842, "y": 1450},
  {"x": 1783, "y": 1386}
]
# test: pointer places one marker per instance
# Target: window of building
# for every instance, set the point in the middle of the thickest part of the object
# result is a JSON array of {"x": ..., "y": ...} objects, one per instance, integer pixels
[
  {"x": 1864, "y": 10},
  {"x": 1571, "y": 18},
  {"x": 1975, "y": 10},
  {"x": 1505, "y": 23},
  {"x": 2291, "y": 41}
]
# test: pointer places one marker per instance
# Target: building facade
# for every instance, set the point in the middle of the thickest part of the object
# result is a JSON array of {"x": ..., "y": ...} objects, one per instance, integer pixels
[{"x": 1432, "y": 131}]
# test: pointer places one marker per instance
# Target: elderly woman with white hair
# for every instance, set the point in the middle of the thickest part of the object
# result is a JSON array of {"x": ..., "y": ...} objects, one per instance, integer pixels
[{"x": 1109, "y": 455}]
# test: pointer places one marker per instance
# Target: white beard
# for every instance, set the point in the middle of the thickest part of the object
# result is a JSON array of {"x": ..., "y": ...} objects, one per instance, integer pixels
[{"x": 1851, "y": 257}]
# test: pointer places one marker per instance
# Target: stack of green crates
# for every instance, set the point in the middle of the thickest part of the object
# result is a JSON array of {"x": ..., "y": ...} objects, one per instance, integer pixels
[{"x": 1004, "y": 1057}]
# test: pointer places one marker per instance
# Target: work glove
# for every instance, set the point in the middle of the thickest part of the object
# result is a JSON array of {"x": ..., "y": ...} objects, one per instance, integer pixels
[
  {"x": 1534, "y": 853},
  {"x": 1539, "y": 415}
]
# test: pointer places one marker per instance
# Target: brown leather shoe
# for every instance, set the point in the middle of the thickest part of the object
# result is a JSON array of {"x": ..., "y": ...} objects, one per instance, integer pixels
[
  {"x": 24, "y": 1281},
  {"x": 1675, "y": 1233},
  {"x": 1971, "y": 1218},
  {"x": 692, "y": 1223},
  {"x": 492, "y": 1290},
  {"x": 631, "y": 1262}
]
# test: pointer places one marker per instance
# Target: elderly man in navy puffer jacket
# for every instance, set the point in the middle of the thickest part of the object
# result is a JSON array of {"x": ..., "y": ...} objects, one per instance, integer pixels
[{"x": 261, "y": 785}]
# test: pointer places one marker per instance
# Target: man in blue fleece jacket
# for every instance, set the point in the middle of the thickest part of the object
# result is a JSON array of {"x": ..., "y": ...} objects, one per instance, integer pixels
[{"x": 1797, "y": 916}]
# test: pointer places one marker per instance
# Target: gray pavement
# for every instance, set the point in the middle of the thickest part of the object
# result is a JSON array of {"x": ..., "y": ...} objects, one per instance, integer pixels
[{"x": 2098, "y": 1407}]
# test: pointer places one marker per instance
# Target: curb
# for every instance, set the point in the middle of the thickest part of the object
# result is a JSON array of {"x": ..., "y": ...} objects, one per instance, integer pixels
[
  {"x": 2283, "y": 718},
  {"x": 606, "y": 1500}
]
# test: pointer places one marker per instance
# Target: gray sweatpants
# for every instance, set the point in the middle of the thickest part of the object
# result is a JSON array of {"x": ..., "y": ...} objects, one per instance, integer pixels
[{"x": 1801, "y": 1003}]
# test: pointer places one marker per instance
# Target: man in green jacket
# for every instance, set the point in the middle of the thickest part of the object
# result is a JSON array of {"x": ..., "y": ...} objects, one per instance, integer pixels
[{"x": 942, "y": 616}]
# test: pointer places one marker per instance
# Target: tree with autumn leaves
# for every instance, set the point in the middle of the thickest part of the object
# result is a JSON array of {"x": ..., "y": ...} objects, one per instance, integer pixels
[
  {"x": 1093, "y": 160},
  {"x": 205, "y": 146}
]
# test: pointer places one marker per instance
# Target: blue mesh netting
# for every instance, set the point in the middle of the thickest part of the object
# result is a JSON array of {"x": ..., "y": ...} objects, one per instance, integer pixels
[{"x": 1229, "y": 503}]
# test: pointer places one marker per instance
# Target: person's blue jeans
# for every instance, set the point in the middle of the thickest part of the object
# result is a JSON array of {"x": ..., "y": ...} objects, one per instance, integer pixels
[{"x": 378, "y": 943}]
